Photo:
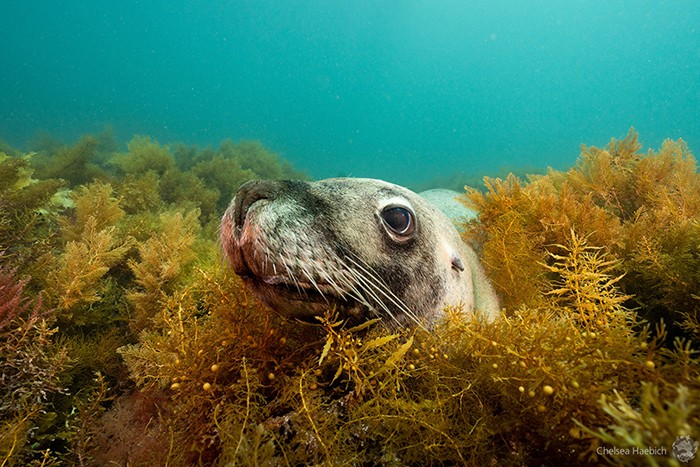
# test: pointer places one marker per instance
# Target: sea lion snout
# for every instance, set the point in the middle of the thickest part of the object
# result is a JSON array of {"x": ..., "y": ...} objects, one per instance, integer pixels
[
  {"x": 233, "y": 221},
  {"x": 264, "y": 227}
]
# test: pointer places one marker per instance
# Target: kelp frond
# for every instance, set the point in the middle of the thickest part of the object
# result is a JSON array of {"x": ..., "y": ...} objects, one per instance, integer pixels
[
  {"x": 641, "y": 208},
  {"x": 31, "y": 367},
  {"x": 77, "y": 164},
  {"x": 585, "y": 286},
  {"x": 93, "y": 203},
  {"x": 143, "y": 155},
  {"x": 164, "y": 258},
  {"x": 77, "y": 278}
]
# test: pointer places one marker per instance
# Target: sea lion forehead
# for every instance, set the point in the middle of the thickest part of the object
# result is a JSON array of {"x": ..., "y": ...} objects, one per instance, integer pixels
[{"x": 365, "y": 190}]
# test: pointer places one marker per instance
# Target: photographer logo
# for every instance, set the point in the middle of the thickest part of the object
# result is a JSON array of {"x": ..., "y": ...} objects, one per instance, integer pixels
[{"x": 684, "y": 448}]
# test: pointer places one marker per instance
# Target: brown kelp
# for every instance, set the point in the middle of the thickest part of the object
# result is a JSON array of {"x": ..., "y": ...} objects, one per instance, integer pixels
[
  {"x": 129, "y": 342},
  {"x": 641, "y": 210},
  {"x": 102, "y": 240}
]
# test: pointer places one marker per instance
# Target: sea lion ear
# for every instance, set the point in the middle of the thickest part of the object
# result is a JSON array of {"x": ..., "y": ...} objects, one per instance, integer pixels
[{"x": 457, "y": 263}]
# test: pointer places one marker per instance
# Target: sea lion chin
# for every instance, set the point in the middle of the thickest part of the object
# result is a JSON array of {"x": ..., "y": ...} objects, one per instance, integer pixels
[{"x": 365, "y": 247}]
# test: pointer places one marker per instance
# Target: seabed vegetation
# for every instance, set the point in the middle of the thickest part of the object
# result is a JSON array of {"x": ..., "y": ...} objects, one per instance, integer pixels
[{"x": 126, "y": 340}]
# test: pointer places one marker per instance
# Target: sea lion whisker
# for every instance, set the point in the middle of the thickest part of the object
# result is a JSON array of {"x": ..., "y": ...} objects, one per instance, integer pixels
[
  {"x": 329, "y": 280},
  {"x": 381, "y": 287},
  {"x": 357, "y": 283},
  {"x": 349, "y": 287},
  {"x": 367, "y": 286},
  {"x": 371, "y": 280},
  {"x": 386, "y": 290},
  {"x": 356, "y": 293},
  {"x": 341, "y": 275},
  {"x": 313, "y": 282},
  {"x": 292, "y": 277}
]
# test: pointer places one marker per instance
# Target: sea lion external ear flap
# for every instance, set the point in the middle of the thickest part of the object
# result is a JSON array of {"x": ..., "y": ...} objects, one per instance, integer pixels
[{"x": 457, "y": 264}]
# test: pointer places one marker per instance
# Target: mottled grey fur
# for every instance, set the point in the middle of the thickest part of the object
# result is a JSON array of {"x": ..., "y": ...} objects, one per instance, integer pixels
[{"x": 303, "y": 247}]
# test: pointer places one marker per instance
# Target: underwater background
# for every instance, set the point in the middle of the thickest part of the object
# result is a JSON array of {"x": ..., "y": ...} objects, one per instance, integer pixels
[
  {"x": 407, "y": 91},
  {"x": 126, "y": 129}
]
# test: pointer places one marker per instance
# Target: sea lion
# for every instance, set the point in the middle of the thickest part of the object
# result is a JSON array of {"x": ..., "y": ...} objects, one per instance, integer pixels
[
  {"x": 366, "y": 247},
  {"x": 447, "y": 202}
]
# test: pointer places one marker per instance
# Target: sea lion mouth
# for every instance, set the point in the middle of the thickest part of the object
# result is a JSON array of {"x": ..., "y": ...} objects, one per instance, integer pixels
[
  {"x": 307, "y": 291},
  {"x": 293, "y": 292},
  {"x": 305, "y": 301}
]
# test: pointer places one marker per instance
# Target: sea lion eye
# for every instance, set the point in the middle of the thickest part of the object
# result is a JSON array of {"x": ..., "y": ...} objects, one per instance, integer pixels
[{"x": 399, "y": 220}]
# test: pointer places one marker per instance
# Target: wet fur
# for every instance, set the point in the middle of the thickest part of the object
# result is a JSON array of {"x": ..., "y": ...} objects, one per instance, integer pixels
[{"x": 303, "y": 247}]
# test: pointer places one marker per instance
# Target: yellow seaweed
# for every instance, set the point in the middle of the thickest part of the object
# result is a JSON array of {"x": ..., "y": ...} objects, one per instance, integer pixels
[{"x": 205, "y": 375}]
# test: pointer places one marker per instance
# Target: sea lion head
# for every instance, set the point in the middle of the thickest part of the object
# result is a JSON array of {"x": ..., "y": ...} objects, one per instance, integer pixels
[{"x": 365, "y": 247}]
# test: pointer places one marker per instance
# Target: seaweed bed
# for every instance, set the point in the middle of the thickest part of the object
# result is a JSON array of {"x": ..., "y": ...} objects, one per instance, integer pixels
[{"x": 125, "y": 340}]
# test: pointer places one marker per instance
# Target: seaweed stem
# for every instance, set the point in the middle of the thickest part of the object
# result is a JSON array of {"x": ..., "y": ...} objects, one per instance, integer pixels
[{"x": 311, "y": 420}]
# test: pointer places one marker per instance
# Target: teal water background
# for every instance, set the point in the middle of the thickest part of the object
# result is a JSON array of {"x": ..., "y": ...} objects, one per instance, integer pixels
[{"x": 406, "y": 91}]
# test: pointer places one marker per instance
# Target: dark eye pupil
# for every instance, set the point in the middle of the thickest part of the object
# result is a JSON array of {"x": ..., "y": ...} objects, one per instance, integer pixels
[{"x": 398, "y": 219}]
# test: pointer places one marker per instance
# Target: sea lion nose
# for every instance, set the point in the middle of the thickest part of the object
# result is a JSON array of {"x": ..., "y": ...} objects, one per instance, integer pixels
[{"x": 248, "y": 194}]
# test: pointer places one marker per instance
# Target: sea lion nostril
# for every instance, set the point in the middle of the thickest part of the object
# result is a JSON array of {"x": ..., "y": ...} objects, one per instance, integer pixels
[
  {"x": 241, "y": 210},
  {"x": 248, "y": 194}
]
